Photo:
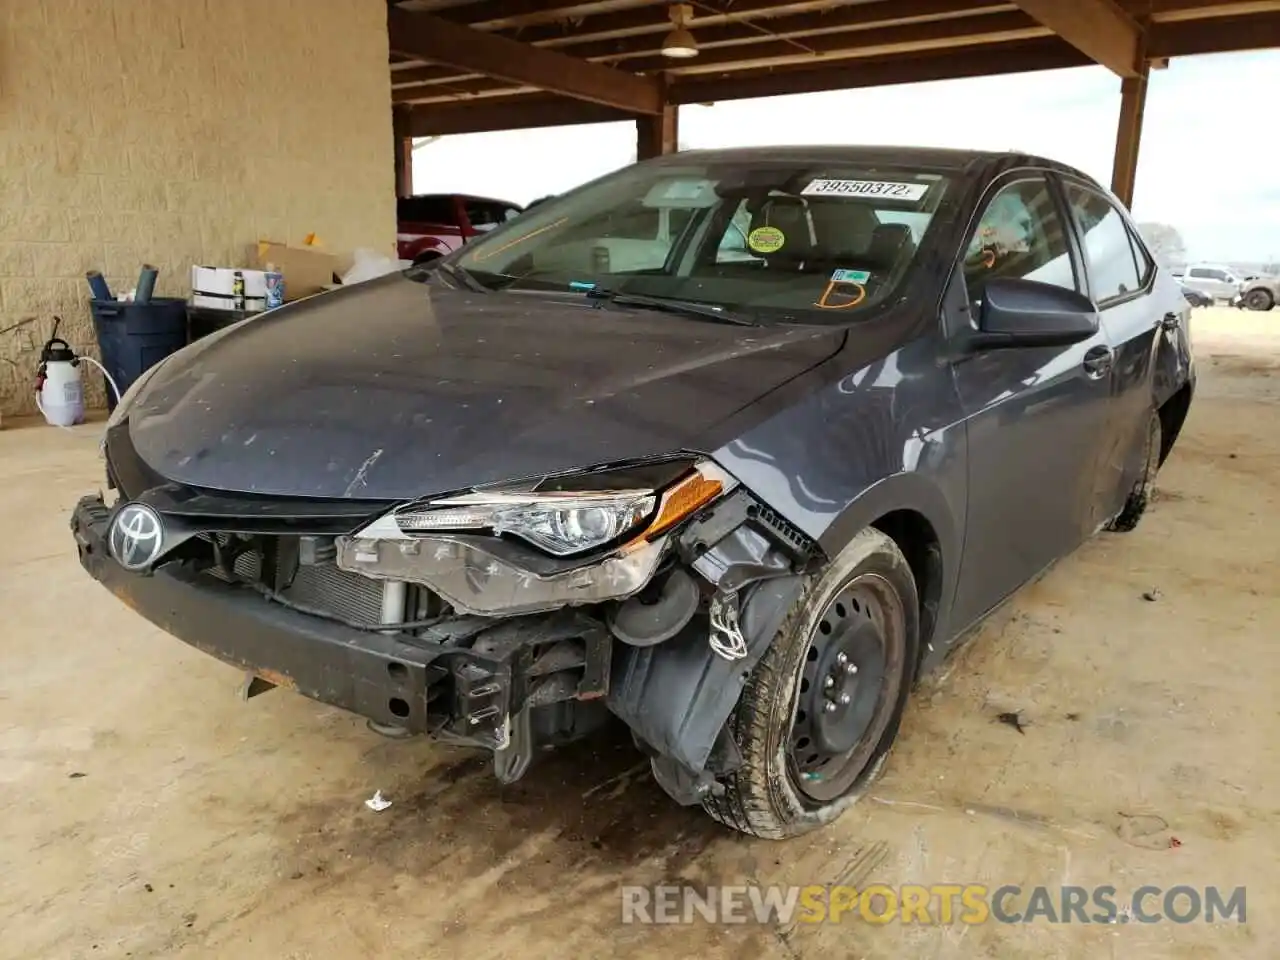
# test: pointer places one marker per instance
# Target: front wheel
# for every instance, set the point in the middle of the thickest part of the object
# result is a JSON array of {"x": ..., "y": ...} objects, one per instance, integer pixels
[
  {"x": 1135, "y": 505},
  {"x": 820, "y": 711}
]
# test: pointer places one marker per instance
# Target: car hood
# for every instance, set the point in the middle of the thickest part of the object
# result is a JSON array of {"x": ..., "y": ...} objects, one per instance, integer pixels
[{"x": 396, "y": 388}]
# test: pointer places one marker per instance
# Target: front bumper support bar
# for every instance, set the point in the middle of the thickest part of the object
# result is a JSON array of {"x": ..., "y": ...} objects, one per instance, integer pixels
[{"x": 395, "y": 680}]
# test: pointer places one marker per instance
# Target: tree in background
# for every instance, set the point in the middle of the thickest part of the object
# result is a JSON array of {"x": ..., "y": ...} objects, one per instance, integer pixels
[{"x": 1165, "y": 243}]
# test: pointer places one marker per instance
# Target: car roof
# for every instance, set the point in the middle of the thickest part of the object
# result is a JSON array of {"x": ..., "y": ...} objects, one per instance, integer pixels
[
  {"x": 461, "y": 196},
  {"x": 942, "y": 158}
]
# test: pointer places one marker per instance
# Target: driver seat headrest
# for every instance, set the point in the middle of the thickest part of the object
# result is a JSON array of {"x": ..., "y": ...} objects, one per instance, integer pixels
[{"x": 791, "y": 216}]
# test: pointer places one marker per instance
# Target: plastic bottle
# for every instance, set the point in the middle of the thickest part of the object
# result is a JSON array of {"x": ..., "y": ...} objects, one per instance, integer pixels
[
  {"x": 275, "y": 286},
  {"x": 58, "y": 384}
]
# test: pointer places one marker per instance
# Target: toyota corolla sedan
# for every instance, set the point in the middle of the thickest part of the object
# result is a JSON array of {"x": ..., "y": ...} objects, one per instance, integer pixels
[{"x": 729, "y": 446}]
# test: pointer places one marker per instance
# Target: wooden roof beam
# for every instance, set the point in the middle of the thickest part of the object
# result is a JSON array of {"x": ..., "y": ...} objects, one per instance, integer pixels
[
  {"x": 514, "y": 113},
  {"x": 1186, "y": 38},
  {"x": 427, "y": 37},
  {"x": 1048, "y": 53},
  {"x": 518, "y": 112},
  {"x": 1098, "y": 28}
]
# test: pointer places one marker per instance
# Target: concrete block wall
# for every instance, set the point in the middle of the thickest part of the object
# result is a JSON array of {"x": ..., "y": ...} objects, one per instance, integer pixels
[{"x": 175, "y": 132}]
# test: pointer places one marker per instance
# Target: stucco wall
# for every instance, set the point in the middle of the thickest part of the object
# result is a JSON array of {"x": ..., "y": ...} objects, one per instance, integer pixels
[{"x": 175, "y": 132}]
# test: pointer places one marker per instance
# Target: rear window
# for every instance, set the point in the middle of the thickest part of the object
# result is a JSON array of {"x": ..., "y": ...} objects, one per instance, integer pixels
[{"x": 426, "y": 209}]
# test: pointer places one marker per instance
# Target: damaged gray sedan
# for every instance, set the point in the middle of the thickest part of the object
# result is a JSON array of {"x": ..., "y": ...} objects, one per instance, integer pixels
[{"x": 730, "y": 446}]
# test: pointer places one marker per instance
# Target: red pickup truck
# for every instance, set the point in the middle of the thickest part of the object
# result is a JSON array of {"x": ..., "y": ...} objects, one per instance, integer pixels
[{"x": 432, "y": 224}]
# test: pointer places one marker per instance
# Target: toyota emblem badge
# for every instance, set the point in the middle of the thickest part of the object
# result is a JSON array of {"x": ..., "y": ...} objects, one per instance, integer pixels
[{"x": 136, "y": 537}]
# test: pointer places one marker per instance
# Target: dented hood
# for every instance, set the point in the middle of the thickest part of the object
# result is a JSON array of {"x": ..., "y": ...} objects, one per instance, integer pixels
[{"x": 395, "y": 389}]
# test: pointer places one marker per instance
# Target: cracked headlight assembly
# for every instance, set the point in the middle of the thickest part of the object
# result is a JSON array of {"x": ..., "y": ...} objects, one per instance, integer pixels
[{"x": 454, "y": 545}]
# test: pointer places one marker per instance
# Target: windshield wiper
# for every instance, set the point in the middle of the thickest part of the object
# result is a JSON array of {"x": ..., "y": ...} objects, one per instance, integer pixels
[
  {"x": 688, "y": 308},
  {"x": 462, "y": 277}
]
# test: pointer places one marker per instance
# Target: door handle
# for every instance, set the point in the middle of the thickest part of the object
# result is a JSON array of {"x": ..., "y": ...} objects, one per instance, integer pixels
[
  {"x": 1170, "y": 321},
  {"x": 1097, "y": 362}
]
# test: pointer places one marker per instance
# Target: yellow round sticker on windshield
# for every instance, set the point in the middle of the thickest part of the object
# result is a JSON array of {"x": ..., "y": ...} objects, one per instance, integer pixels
[{"x": 766, "y": 239}]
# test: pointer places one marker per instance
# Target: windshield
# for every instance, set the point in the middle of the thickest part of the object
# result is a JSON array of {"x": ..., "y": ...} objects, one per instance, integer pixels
[{"x": 784, "y": 240}]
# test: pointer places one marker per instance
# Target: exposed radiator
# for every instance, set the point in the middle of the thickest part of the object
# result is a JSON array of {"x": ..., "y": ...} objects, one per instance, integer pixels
[
  {"x": 337, "y": 591},
  {"x": 322, "y": 586}
]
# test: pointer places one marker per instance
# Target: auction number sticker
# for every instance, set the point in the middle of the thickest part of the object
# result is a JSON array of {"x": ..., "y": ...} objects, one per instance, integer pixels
[{"x": 885, "y": 189}]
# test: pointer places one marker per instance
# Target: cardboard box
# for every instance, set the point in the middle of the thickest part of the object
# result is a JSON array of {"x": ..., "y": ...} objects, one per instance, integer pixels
[{"x": 306, "y": 270}]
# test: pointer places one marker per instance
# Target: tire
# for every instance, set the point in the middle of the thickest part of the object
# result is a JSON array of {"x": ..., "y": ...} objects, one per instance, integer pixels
[
  {"x": 1259, "y": 299},
  {"x": 425, "y": 258},
  {"x": 770, "y": 796},
  {"x": 1135, "y": 505}
]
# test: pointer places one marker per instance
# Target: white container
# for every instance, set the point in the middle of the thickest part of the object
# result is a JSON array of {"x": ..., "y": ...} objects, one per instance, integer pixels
[
  {"x": 62, "y": 396},
  {"x": 220, "y": 282},
  {"x": 212, "y": 302}
]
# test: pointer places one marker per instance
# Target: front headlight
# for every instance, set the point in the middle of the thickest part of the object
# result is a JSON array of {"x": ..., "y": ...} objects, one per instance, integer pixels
[
  {"x": 562, "y": 524},
  {"x": 428, "y": 543}
]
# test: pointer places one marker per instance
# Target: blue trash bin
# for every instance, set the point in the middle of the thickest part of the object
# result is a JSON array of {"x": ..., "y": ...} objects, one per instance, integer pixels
[{"x": 135, "y": 336}]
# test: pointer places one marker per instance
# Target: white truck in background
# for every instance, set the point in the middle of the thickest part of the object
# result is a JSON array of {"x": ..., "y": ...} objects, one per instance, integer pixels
[{"x": 1213, "y": 280}]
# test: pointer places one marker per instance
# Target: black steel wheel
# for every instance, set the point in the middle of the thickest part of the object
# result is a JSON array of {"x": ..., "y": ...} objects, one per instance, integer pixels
[
  {"x": 1139, "y": 498},
  {"x": 820, "y": 711},
  {"x": 848, "y": 682}
]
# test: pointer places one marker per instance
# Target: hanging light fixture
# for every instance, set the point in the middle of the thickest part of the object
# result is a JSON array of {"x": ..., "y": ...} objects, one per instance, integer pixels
[{"x": 680, "y": 43}]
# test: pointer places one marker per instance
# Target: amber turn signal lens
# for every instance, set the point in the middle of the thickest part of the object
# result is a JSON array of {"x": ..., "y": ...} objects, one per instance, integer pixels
[{"x": 682, "y": 500}]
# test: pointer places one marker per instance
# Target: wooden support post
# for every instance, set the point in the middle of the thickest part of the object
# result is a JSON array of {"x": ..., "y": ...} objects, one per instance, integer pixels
[
  {"x": 658, "y": 134},
  {"x": 1133, "y": 101},
  {"x": 403, "y": 145}
]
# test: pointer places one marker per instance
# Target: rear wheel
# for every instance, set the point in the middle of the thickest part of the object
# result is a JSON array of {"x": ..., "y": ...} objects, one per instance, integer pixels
[
  {"x": 820, "y": 711},
  {"x": 1259, "y": 300}
]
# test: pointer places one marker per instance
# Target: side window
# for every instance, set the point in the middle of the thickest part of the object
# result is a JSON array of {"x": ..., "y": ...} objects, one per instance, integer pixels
[
  {"x": 1112, "y": 267},
  {"x": 1020, "y": 235},
  {"x": 425, "y": 209},
  {"x": 484, "y": 216},
  {"x": 1146, "y": 262},
  {"x": 1199, "y": 272},
  {"x": 733, "y": 245}
]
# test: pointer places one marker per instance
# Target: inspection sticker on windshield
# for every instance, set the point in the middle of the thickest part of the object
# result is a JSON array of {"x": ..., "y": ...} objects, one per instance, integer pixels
[
  {"x": 859, "y": 277},
  {"x": 884, "y": 189},
  {"x": 766, "y": 239}
]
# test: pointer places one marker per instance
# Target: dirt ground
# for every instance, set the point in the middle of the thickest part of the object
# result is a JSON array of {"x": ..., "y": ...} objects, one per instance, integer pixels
[{"x": 147, "y": 812}]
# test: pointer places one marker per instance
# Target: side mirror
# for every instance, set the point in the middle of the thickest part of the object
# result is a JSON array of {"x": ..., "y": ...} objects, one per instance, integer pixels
[{"x": 1026, "y": 313}]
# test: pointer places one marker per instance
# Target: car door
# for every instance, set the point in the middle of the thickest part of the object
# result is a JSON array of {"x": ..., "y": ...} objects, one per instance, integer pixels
[
  {"x": 1036, "y": 416},
  {"x": 1121, "y": 277}
]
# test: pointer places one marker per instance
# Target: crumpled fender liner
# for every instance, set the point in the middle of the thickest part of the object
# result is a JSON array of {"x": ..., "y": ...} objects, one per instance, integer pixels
[{"x": 676, "y": 696}]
